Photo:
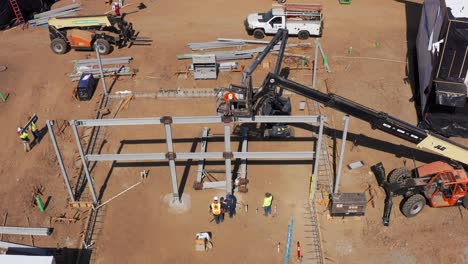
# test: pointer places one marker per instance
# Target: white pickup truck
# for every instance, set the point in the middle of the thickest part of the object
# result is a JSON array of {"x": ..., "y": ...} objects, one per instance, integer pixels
[{"x": 303, "y": 20}]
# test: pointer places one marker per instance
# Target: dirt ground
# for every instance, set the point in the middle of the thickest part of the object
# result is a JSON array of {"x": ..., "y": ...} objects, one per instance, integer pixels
[{"x": 139, "y": 227}]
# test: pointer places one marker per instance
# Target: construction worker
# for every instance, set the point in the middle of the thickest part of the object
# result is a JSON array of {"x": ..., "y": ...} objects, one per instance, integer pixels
[
  {"x": 116, "y": 8},
  {"x": 231, "y": 202},
  {"x": 223, "y": 208},
  {"x": 267, "y": 201},
  {"x": 24, "y": 136},
  {"x": 35, "y": 131},
  {"x": 216, "y": 209}
]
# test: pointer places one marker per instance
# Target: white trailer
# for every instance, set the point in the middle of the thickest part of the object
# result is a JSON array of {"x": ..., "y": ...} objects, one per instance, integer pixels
[{"x": 301, "y": 20}]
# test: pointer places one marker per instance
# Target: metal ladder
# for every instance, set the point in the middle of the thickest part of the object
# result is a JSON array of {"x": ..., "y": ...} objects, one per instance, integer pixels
[{"x": 16, "y": 9}]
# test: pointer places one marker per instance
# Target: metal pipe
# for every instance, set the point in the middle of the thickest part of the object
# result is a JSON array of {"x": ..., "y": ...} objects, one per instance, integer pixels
[
  {"x": 317, "y": 42},
  {"x": 318, "y": 150},
  {"x": 324, "y": 56},
  {"x": 343, "y": 147},
  {"x": 172, "y": 167},
  {"x": 85, "y": 163},
  {"x": 119, "y": 194},
  {"x": 59, "y": 159},
  {"x": 104, "y": 85}
]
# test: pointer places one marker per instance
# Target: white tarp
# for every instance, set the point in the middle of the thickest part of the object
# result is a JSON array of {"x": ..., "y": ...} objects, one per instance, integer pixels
[
  {"x": 20, "y": 259},
  {"x": 459, "y": 8}
]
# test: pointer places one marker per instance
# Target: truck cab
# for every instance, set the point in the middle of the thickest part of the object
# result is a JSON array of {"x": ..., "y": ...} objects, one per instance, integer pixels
[{"x": 301, "y": 20}]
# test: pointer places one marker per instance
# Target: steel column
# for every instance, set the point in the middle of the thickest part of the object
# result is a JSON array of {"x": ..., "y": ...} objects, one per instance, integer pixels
[
  {"x": 104, "y": 85},
  {"x": 85, "y": 163},
  {"x": 318, "y": 149},
  {"x": 343, "y": 147},
  {"x": 227, "y": 150},
  {"x": 172, "y": 167},
  {"x": 243, "y": 165},
  {"x": 201, "y": 162},
  {"x": 59, "y": 159}
]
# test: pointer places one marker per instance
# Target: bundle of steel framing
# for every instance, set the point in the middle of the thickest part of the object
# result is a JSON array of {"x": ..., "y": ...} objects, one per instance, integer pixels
[
  {"x": 240, "y": 54},
  {"x": 215, "y": 45},
  {"x": 42, "y": 19},
  {"x": 223, "y": 66},
  {"x": 111, "y": 67}
]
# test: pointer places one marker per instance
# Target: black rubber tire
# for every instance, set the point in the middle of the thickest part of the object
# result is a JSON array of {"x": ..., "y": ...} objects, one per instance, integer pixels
[
  {"x": 399, "y": 174},
  {"x": 59, "y": 46},
  {"x": 303, "y": 35},
  {"x": 103, "y": 46},
  {"x": 465, "y": 202},
  {"x": 413, "y": 205},
  {"x": 258, "y": 33}
]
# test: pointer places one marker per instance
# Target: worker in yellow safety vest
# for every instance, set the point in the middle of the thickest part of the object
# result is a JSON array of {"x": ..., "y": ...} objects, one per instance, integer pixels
[
  {"x": 24, "y": 136},
  {"x": 35, "y": 131},
  {"x": 267, "y": 201},
  {"x": 216, "y": 208}
]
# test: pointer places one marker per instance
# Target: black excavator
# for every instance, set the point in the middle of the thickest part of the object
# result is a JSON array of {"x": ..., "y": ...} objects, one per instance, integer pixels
[{"x": 268, "y": 99}]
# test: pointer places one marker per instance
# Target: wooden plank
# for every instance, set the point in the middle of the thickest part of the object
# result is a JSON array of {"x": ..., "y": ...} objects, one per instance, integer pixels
[{"x": 81, "y": 204}]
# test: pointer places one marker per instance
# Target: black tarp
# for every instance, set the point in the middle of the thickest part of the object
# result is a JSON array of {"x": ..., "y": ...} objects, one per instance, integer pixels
[
  {"x": 28, "y": 8},
  {"x": 442, "y": 71}
]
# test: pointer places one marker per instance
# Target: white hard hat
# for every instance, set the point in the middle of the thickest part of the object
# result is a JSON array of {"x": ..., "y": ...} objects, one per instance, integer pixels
[{"x": 215, "y": 198}]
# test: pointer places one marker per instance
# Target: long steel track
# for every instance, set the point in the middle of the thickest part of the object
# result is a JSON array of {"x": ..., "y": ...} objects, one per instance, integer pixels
[
  {"x": 313, "y": 248},
  {"x": 95, "y": 217}
]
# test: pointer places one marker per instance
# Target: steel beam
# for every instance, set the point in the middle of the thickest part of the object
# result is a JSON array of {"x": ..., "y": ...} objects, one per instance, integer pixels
[
  {"x": 59, "y": 159},
  {"x": 227, "y": 161},
  {"x": 200, "y": 155},
  {"x": 85, "y": 163},
  {"x": 196, "y": 120},
  {"x": 214, "y": 185},
  {"x": 318, "y": 149},
  {"x": 126, "y": 157},
  {"x": 103, "y": 79},
  {"x": 274, "y": 155},
  {"x": 201, "y": 162},
  {"x": 29, "y": 231},
  {"x": 342, "y": 152},
  {"x": 280, "y": 119},
  {"x": 170, "y": 149}
]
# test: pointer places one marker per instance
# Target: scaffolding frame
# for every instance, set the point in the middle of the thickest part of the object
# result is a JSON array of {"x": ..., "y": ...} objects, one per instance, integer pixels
[{"x": 171, "y": 155}]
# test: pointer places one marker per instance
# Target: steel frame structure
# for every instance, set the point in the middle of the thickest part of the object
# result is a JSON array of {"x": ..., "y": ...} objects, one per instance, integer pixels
[{"x": 171, "y": 155}]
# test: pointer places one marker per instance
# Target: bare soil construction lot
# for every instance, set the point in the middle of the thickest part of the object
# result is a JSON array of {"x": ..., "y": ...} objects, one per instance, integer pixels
[{"x": 139, "y": 227}]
